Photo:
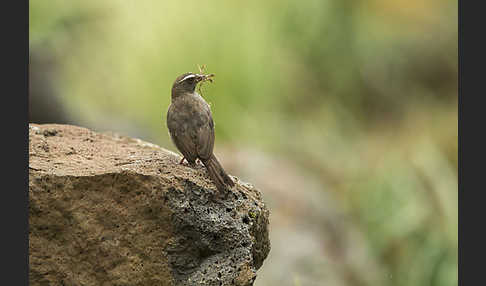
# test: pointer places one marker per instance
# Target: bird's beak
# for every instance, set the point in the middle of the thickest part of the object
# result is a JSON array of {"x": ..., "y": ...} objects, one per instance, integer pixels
[{"x": 204, "y": 77}]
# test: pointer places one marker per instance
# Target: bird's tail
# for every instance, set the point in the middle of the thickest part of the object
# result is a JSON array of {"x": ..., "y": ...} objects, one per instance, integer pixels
[{"x": 218, "y": 174}]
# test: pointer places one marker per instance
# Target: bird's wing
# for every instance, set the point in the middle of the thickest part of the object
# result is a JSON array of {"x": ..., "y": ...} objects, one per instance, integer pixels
[{"x": 205, "y": 137}]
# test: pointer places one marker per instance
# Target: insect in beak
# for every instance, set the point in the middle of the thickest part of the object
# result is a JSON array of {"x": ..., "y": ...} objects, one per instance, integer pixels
[
  {"x": 201, "y": 77},
  {"x": 204, "y": 77}
]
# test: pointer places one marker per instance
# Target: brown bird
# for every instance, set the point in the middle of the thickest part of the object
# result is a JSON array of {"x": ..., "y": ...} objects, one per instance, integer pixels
[{"x": 191, "y": 127}]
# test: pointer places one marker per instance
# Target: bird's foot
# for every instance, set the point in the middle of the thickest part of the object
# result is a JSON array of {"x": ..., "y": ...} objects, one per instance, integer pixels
[{"x": 192, "y": 164}]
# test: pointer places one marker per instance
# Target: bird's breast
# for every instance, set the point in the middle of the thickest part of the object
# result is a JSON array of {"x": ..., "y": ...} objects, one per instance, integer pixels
[{"x": 189, "y": 110}]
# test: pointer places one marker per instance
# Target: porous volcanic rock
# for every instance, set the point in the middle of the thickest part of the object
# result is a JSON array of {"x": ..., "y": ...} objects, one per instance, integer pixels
[{"x": 110, "y": 210}]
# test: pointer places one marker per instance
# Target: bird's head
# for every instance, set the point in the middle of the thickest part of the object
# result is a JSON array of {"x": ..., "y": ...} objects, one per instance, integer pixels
[{"x": 186, "y": 83}]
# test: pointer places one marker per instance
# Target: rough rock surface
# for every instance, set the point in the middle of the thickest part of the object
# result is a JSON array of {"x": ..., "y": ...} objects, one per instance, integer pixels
[{"x": 112, "y": 210}]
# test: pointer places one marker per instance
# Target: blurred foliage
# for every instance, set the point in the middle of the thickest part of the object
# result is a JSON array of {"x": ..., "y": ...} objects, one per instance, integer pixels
[{"x": 362, "y": 93}]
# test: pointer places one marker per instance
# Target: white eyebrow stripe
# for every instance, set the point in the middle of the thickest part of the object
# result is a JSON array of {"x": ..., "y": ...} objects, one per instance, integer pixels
[{"x": 187, "y": 76}]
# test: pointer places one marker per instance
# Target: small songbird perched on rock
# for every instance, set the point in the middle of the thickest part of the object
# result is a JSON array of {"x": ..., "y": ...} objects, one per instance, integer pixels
[{"x": 191, "y": 127}]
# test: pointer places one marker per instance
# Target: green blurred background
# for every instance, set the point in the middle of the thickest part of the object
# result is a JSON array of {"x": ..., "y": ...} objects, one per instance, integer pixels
[{"x": 343, "y": 113}]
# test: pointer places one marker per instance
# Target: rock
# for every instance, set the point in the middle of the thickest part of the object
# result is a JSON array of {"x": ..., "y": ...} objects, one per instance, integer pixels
[{"x": 111, "y": 210}]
